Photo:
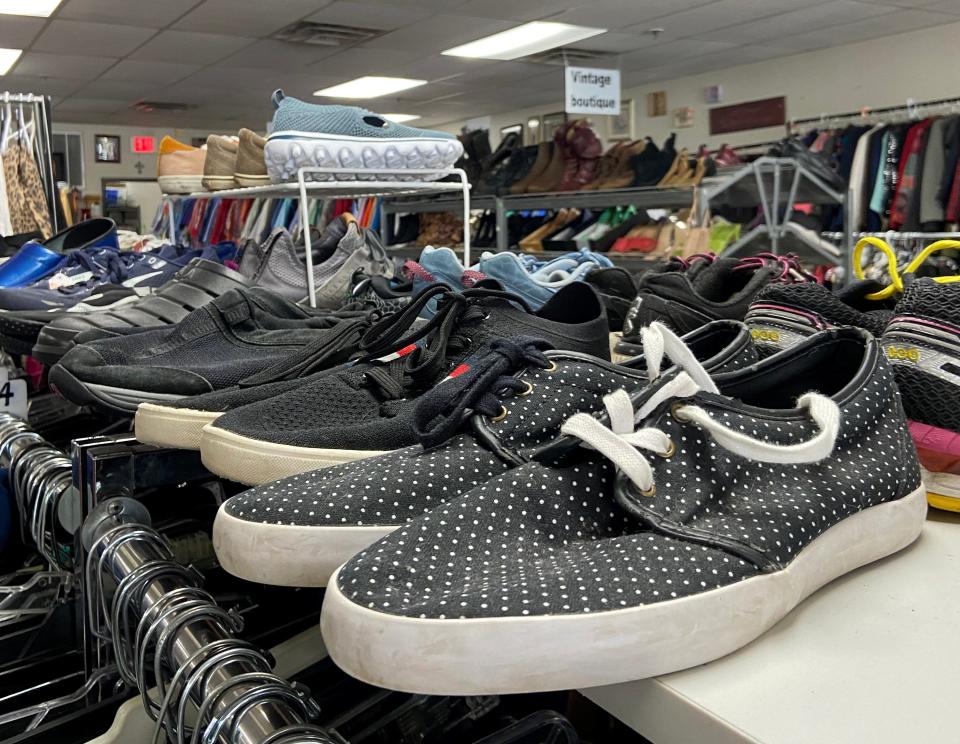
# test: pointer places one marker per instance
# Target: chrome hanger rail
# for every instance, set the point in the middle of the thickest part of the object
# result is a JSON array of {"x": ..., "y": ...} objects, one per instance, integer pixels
[{"x": 168, "y": 631}]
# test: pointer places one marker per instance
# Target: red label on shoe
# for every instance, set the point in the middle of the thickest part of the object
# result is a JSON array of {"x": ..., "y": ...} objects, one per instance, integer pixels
[{"x": 397, "y": 354}]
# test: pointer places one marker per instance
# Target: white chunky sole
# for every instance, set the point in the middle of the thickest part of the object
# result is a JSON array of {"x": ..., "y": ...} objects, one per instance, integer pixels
[
  {"x": 245, "y": 181},
  {"x": 943, "y": 490},
  {"x": 286, "y": 152},
  {"x": 288, "y": 555},
  {"x": 180, "y": 184},
  {"x": 254, "y": 462},
  {"x": 165, "y": 426},
  {"x": 527, "y": 654},
  {"x": 219, "y": 183}
]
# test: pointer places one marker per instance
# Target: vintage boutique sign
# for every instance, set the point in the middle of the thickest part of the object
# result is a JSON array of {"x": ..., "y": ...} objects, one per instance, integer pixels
[{"x": 592, "y": 91}]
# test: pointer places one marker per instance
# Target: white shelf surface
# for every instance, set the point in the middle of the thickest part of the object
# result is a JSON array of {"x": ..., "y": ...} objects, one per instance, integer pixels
[{"x": 873, "y": 657}]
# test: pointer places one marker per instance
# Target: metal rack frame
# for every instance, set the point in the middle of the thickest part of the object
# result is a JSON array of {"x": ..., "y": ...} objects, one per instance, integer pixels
[
  {"x": 44, "y": 146},
  {"x": 336, "y": 186}
]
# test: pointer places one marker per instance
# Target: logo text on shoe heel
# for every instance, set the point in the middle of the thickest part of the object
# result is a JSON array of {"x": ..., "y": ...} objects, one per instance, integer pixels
[
  {"x": 765, "y": 334},
  {"x": 904, "y": 353}
]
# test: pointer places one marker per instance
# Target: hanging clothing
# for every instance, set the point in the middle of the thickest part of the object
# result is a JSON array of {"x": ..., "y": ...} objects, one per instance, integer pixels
[
  {"x": 26, "y": 200},
  {"x": 6, "y": 225},
  {"x": 858, "y": 177},
  {"x": 905, "y": 209}
]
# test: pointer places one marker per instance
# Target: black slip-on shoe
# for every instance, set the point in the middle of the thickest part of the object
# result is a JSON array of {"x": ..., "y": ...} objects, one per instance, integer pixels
[
  {"x": 472, "y": 428},
  {"x": 198, "y": 283},
  {"x": 367, "y": 409},
  {"x": 703, "y": 513},
  {"x": 684, "y": 300},
  {"x": 240, "y": 333}
]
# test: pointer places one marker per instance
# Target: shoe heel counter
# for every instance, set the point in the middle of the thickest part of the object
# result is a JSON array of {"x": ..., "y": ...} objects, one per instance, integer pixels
[{"x": 776, "y": 327}]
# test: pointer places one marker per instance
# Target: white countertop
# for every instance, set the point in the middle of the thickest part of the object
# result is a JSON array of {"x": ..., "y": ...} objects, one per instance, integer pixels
[{"x": 873, "y": 658}]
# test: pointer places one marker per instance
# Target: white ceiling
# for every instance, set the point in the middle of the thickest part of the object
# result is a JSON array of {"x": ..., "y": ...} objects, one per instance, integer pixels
[{"x": 98, "y": 57}]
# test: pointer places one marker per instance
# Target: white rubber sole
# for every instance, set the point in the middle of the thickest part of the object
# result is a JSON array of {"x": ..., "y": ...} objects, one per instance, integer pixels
[
  {"x": 254, "y": 462},
  {"x": 287, "y": 555},
  {"x": 529, "y": 654},
  {"x": 943, "y": 490},
  {"x": 219, "y": 183},
  {"x": 286, "y": 152},
  {"x": 164, "y": 426},
  {"x": 180, "y": 184},
  {"x": 245, "y": 180}
]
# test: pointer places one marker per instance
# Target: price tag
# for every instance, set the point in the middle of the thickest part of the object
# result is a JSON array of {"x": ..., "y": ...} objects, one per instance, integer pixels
[{"x": 13, "y": 395}]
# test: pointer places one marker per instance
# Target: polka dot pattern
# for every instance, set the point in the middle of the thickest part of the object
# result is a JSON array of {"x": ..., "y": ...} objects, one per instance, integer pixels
[{"x": 543, "y": 540}]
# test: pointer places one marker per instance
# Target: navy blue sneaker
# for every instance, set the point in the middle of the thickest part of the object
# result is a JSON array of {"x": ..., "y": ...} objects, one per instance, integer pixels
[{"x": 90, "y": 280}]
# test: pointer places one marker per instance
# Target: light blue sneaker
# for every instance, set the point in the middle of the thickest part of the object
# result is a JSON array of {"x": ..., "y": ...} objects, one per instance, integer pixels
[
  {"x": 509, "y": 270},
  {"x": 310, "y": 135},
  {"x": 436, "y": 265}
]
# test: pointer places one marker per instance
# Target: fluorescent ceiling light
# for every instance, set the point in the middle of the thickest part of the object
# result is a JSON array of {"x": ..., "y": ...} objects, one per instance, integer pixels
[
  {"x": 529, "y": 38},
  {"x": 370, "y": 86},
  {"x": 39, "y": 8},
  {"x": 400, "y": 118},
  {"x": 7, "y": 59}
]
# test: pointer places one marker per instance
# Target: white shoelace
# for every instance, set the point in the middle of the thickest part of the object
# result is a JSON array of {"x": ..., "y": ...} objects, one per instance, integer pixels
[{"x": 621, "y": 442}]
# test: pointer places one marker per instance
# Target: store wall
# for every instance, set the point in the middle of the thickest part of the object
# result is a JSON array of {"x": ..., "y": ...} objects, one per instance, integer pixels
[
  {"x": 876, "y": 73},
  {"x": 94, "y": 172}
]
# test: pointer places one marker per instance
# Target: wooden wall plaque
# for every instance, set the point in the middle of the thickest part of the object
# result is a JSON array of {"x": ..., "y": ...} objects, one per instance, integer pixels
[{"x": 768, "y": 112}]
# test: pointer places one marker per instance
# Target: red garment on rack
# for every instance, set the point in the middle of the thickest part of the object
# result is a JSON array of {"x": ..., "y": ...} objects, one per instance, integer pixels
[{"x": 911, "y": 161}]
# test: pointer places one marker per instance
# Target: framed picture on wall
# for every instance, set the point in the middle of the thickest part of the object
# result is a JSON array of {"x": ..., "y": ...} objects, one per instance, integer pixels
[
  {"x": 620, "y": 127},
  {"x": 106, "y": 148},
  {"x": 550, "y": 123}
]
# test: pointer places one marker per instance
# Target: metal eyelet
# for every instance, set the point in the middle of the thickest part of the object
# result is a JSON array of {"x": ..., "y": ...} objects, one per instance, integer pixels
[
  {"x": 552, "y": 368},
  {"x": 650, "y": 492},
  {"x": 527, "y": 391},
  {"x": 670, "y": 452},
  {"x": 675, "y": 412},
  {"x": 500, "y": 416}
]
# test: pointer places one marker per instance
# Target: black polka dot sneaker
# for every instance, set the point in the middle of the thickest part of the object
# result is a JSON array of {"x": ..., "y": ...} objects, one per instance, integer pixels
[
  {"x": 477, "y": 426},
  {"x": 703, "y": 513},
  {"x": 922, "y": 342},
  {"x": 364, "y": 410}
]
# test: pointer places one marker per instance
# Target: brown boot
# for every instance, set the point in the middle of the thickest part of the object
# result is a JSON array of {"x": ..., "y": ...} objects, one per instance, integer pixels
[
  {"x": 544, "y": 156},
  {"x": 623, "y": 174},
  {"x": 551, "y": 176}
]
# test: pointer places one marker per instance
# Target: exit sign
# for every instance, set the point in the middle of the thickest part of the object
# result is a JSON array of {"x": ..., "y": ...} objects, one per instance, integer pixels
[{"x": 144, "y": 144}]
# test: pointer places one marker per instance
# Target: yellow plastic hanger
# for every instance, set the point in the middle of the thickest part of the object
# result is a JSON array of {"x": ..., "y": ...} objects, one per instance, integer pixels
[{"x": 896, "y": 276}]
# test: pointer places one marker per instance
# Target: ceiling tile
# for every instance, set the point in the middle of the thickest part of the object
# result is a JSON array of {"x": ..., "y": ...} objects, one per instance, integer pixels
[
  {"x": 193, "y": 48},
  {"x": 616, "y": 15},
  {"x": 511, "y": 10},
  {"x": 365, "y": 15},
  {"x": 443, "y": 5},
  {"x": 352, "y": 63},
  {"x": 79, "y": 37},
  {"x": 673, "y": 51},
  {"x": 799, "y": 21},
  {"x": 613, "y": 42},
  {"x": 63, "y": 66},
  {"x": 149, "y": 14},
  {"x": 721, "y": 14},
  {"x": 943, "y": 6},
  {"x": 18, "y": 32},
  {"x": 121, "y": 90},
  {"x": 48, "y": 86},
  {"x": 103, "y": 105},
  {"x": 149, "y": 72},
  {"x": 438, "y": 33},
  {"x": 278, "y": 55},
  {"x": 888, "y": 24},
  {"x": 256, "y": 18}
]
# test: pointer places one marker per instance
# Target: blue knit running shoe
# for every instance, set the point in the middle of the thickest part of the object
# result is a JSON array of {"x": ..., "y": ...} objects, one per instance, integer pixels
[{"x": 307, "y": 135}]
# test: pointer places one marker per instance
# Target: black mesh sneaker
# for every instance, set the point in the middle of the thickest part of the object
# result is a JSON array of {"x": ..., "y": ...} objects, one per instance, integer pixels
[
  {"x": 239, "y": 334},
  {"x": 684, "y": 300},
  {"x": 493, "y": 418},
  {"x": 784, "y": 314},
  {"x": 194, "y": 286},
  {"x": 367, "y": 409},
  {"x": 922, "y": 342},
  {"x": 699, "y": 516}
]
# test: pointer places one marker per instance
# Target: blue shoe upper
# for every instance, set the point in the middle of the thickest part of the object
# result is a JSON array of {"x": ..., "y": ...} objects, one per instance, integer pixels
[
  {"x": 37, "y": 259},
  {"x": 537, "y": 288}
]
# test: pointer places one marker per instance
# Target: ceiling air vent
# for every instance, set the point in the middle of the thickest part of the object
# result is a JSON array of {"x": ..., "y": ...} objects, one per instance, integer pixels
[
  {"x": 324, "y": 34},
  {"x": 568, "y": 56},
  {"x": 149, "y": 106}
]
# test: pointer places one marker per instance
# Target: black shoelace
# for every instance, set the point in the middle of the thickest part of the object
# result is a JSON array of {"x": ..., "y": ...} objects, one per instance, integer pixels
[
  {"x": 445, "y": 336},
  {"x": 442, "y": 411}
]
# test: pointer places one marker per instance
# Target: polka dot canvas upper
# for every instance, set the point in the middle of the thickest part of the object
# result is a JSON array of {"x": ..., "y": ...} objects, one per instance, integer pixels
[
  {"x": 395, "y": 487},
  {"x": 575, "y": 536}
]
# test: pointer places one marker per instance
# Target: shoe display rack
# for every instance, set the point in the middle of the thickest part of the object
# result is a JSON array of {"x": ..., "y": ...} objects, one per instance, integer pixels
[
  {"x": 347, "y": 183},
  {"x": 776, "y": 185}
]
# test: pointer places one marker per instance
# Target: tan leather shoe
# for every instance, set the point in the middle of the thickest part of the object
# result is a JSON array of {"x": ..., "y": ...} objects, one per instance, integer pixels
[
  {"x": 544, "y": 156},
  {"x": 221, "y": 162},
  {"x": 251, "y": 169},
  {"x": 179, "y": 167}
]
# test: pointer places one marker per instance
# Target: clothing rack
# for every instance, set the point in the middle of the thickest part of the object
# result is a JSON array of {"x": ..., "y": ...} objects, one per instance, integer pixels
[
  {"x": 39, "y": 107},
  {"x": 158, "y": 606},
  {"x": 911, "y": 109}
]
